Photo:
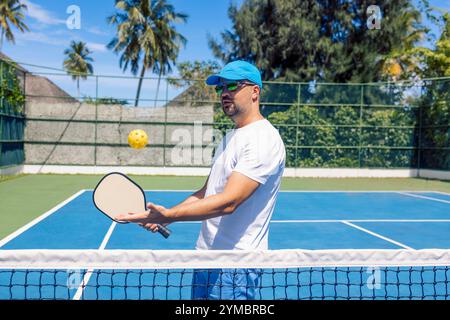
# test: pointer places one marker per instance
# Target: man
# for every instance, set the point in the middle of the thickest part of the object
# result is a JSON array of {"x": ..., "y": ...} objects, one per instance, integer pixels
[{"x": 238, "y": 198}]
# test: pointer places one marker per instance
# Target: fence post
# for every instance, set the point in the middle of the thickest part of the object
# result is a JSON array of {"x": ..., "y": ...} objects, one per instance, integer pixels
[
  {"x": 96, "y": 119},
  {"x": 23, "y": 119},
  {"x": 419, "y": 141},
  {"x": 361, "y": 102},
  {"x": 1, "y": 115},
  {"x": 165, "y": 122},
  {"x": 25, "y": 92},
  {"x": 1, "y": 137},
  {"x": 299, "y": 100}
]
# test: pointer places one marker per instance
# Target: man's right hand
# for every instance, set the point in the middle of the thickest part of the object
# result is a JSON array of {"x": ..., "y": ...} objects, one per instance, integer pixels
[{"x": 152, "y": 226}]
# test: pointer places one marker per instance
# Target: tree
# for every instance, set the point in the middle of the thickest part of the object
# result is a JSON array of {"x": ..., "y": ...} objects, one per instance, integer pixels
[
  {"x": 77, "y": 62},
  {"x": 146, "y": 34},
  {"x": 318, "y": 40},
  {"x": 435, "y": 100},
  {"x": 197, "y": 70},
  {"x": 193, "y": 75},
  {"x": 105, "y": 100},
  {"x": 11, "y": 13},
  {"x": 435, "y": 62},
  {"x": 328, "y": 41}
]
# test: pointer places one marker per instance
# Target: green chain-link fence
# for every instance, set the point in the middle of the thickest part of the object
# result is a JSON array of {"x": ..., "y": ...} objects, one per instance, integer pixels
[
  {"x": 376, "y": 125},
  {"x": 11, "y": 115},
  {"x": 372, "y": 125}
]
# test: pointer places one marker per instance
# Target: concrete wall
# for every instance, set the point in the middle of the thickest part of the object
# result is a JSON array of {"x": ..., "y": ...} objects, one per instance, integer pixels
[{"x": 78, "y": 127}]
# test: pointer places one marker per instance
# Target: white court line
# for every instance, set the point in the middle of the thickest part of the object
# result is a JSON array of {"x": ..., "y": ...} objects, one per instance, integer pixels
[
  {"x": 424, "y": 197},
  {"x": 38, "y": 219},
  {"x": 107, "y": 236},
  {"x": 439, "y": 192},
  {"x": 161, "y": 190},
  {"x": 311, "y": 191},
  {"x": 339, "y": 221},
  {"x": 358, "y": 191},
  {"x": 361, "y": 220},
  {"x": 89, "y": 272},
  {"x": 377, "y": 235}
]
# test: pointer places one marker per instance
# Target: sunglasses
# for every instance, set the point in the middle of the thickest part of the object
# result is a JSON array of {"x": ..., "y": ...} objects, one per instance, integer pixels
[{"x": 231, "y": 86}]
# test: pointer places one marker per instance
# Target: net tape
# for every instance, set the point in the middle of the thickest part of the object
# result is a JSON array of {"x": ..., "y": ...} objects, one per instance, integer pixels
[
  {"x": 194, "y": 259},
  {"x": 281, "y": 274}
]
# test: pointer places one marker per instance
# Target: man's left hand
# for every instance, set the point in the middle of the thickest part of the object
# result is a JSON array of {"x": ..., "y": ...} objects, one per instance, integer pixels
[{"x": 156, "y": 215}]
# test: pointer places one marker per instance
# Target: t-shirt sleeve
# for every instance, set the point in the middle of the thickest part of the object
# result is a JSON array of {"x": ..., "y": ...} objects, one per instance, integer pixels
[{"x": 258, "y": 159}]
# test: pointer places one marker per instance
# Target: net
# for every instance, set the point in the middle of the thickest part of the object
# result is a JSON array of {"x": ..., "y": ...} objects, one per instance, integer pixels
[{"x": 271, "y": 274}]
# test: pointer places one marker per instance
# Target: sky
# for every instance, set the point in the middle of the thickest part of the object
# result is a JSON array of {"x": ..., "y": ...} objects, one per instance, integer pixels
[{"x": 49, "y": 36}]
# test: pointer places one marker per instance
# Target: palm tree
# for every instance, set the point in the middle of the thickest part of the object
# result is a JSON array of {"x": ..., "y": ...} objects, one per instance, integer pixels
[
  {"x": 169, "y": 46},
  {"x": 77, "y": 62},
  {"x": 145, "y": 33},
  {"x": 11, "y": 13}
]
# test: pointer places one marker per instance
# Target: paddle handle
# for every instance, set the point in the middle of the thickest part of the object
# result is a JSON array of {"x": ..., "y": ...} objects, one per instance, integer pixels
[{"x": 164, "y": 231}]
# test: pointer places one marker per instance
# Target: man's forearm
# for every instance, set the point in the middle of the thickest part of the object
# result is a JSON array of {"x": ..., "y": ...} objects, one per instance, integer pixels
[
  {"x": 206, "y": 208},
  {"x": 200, "y": 194}
]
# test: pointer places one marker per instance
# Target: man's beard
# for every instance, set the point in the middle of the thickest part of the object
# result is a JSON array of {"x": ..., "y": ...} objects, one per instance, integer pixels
[{"x": 229, "y": 108}]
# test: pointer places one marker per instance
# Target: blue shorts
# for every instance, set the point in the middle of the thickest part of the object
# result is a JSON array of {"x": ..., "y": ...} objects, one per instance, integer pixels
[{"x": 226, "y": 284}]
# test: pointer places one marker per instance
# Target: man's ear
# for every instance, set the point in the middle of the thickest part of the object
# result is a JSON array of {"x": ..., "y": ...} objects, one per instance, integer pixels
[{"x": 256, "y": 93}]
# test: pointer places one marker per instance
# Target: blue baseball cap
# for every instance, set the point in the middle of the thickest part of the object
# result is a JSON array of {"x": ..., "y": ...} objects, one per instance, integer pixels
[{"x": 237, "y": 70}]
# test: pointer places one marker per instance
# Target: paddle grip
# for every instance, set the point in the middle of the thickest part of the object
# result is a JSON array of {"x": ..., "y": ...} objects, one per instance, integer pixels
[{"x": 164, "y": 231}]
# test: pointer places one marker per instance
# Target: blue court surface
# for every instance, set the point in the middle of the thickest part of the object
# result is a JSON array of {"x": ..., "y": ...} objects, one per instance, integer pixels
[{"x": 301, "y": 220}]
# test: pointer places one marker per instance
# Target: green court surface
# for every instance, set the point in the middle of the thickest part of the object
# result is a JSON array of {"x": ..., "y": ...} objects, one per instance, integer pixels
[{"x": 25, "y": 197}]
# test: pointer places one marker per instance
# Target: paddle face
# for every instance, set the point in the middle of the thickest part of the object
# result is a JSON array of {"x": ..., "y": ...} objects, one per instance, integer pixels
[{"x": 117, "y": 194}]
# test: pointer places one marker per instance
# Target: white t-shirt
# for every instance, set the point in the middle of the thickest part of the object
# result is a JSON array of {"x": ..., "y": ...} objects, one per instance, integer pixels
[{"x": 257, "y": 151}]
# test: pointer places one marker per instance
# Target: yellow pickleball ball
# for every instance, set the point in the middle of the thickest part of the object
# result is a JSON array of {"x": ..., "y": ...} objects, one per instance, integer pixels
[{"x": 137, "y": 139}]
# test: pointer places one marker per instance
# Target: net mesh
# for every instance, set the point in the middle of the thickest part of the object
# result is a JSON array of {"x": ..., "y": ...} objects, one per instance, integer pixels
[{"x": 172, "y": 275}]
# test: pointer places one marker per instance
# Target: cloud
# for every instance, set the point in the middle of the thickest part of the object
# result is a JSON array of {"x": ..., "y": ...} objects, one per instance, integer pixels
[
  {"x": 41, "y": 38},
  {"x": 97, "y": 47},
  {"x": 97, "y": 31},
  {"x": 42, "y": 15},
  {"x": 46, "y": 38}
]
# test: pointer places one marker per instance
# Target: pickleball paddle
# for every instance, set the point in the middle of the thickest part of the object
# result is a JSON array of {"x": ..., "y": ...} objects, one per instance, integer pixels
[{"x": 117, "y": 194}]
